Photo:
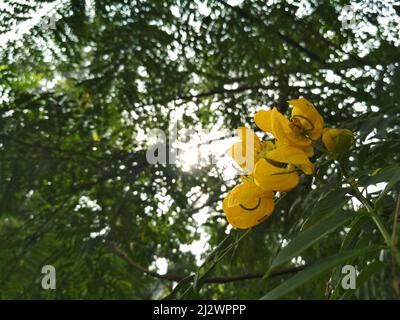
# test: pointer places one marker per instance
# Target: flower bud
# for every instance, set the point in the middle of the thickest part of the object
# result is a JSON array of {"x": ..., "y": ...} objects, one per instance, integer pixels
[{"x": 337, "y": 141}]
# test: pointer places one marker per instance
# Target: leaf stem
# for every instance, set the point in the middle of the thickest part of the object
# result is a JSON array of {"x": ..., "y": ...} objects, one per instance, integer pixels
[{"x": 370, "y": 209}]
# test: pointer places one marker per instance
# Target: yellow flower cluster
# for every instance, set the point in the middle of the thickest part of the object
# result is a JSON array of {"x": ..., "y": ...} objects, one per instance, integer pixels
[{"x": 274, "y": 166}]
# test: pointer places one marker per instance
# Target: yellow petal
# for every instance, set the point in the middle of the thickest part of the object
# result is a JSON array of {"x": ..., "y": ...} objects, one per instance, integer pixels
[
  {"x": 274, "y": 122},
  {"x": 309, "y": 117},
  {"x": 309, "y": 151},
  {"x": 248, "y": 137},
  {"x": 270, "y": 177},
  {"x": 246, "y": 159},
  {"x": 284, "y": 133},
  {"x": 268, "y": 145},
  {"x": 280, "y": 126},
  {"x": 247, "y": 193},
  {"x": 291, "y": 155},
  {"x": 263, "y": 120},
  {"x": 327, "y": 139},
  {"x": 243, "y": 217},
  {"x": 318, "y": 127},
  {"x": 245, "y": 153}
]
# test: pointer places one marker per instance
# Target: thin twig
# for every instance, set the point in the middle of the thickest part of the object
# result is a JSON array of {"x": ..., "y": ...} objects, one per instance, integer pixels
[{"x": 177, "y": 278}]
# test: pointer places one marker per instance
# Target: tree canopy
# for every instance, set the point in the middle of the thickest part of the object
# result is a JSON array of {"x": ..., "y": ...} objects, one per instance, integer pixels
[{"x": 83, "y": 84}]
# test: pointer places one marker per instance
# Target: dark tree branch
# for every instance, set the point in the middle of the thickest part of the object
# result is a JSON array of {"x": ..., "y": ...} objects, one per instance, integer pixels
[
  {"x": 222, "y": 90},
  {"x": 285, "y": 38},
  {"x": 177, "y": 278}
]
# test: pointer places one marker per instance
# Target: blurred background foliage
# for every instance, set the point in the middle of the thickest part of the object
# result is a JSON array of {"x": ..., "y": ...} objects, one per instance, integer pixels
[{"x": 77, "y": 192}]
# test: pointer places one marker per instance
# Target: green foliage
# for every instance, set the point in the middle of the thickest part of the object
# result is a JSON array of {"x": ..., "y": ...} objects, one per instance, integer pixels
[
  {"x": 308, "y": 237},
  {"x": 316, "y": 270}
]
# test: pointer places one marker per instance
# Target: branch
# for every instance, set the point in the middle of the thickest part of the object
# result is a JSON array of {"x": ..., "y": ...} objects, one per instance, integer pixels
[
  {"x": 255, "y": 275},
  {"x": 221, "y": 90},
  {"x": 285, "y": 38},
  {"x": 177, "y": 278},
  {"x": 137, "y": 266}
]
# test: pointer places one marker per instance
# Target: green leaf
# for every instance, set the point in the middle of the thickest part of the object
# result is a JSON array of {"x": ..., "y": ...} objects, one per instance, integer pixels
[
  {"x": 355, "y": 227},
  {"x": 329, "y": 204},
  {"x": 317, "y": 270},
  {"x": 308, "y": 237},
  {"x": 392, "y": 182},
  {"x": 385, "y": 174},
  {"x": 389, "y": 174},
  {"x": 215, "y": 257},
  {"x": 184, "y": 283}
]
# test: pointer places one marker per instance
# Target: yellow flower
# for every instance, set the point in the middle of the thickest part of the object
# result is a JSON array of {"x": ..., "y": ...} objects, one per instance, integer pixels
[
  {"x": 271, "y": 177},
  {"x": 250, "y": 150},
  {"x": 311, "y": 122},
  {"x": 337, "y": 141},
  {"x": 247, "y": 205},
  {"x": 245, "y": 152},
  {"x": 306, "y": 124},
  {"x": 290, "y": 156},
  {"x": 278, "y": 171}
]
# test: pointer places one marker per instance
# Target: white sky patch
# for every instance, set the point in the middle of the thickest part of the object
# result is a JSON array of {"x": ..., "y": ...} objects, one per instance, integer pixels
[
  {"x": 331, "y": 77},
  {"x": 360, "y": 107},
  {"x": 197, "y": 247},
  {"x": 160, "y": 265},
  {"x": 201, "y": 216},
  {"x": 235, "y": 2},
  {"x": 204, "y": 9},
  {"x": 370, "y": 189},
  {"x": 175, "y": 11},
  {"x": 86, "y": 202},
  {"x": 370, "y": 137},
  {"x": 299, "y": 261},
  {"x": 284, "y": 243},
  {"x": 102, "y": 232},
  {"x": 304, "y": 8},
  {"x": 198, "y": 148},
  {"x": 375, "y": 109}
]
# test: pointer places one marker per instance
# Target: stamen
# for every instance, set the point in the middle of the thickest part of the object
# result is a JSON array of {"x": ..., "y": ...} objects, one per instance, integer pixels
[
  {"x": 307, "y": 120},
  {"x": 296, "y": 126}
]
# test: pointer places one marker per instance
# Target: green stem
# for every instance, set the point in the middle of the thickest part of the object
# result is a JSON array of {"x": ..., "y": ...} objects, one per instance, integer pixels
[
  {"x": 370, "y": 209},
  {"x": 381, "y": 228}
]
